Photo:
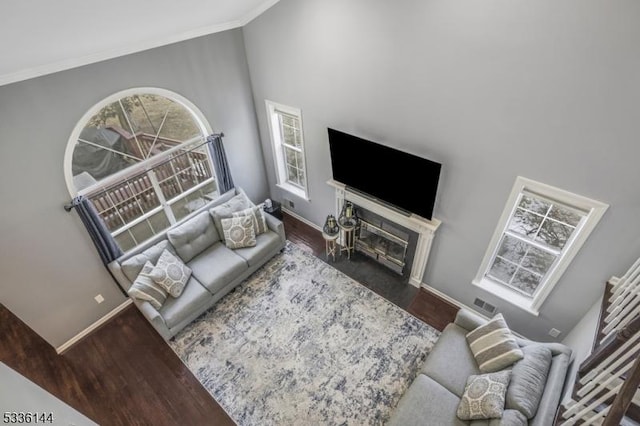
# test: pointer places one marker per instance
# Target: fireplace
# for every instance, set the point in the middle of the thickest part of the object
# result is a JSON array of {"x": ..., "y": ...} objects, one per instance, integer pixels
[{"x": 398, "y": 240}]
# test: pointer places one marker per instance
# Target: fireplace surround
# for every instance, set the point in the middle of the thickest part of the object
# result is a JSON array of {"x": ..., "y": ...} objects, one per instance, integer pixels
[{"x": 424, "y": 228}]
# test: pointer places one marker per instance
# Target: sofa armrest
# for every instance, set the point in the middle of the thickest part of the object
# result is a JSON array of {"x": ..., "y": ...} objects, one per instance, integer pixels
[
  {"x": 276, "y": 226},
  {"x": 469, "y": 320}
]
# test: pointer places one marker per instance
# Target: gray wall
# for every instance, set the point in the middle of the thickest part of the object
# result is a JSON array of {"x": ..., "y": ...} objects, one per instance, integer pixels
[
  {"x": 492, "y": 89},
  {"x": 50, "y": 270}
]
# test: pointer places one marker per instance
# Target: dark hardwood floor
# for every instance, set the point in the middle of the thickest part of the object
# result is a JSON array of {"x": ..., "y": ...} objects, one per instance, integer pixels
[{"x": 125, "y": 374}]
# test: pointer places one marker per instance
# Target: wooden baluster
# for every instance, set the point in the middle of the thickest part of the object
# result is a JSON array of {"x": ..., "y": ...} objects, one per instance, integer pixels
[{"x": 623, "y": 400}]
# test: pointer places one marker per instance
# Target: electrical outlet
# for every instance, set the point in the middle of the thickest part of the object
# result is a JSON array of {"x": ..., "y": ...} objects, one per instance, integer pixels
[
  {"x": 99, "y": 298},
  {"x": 554, "y": 332}
]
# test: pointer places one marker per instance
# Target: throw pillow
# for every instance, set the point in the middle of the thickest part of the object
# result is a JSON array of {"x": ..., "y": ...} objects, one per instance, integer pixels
[
  {"x": 494, "y": 346},
  {"x": 238, "y": 232},
  {"x": 528, "y": 379},
  {"x": 171, "y": 273},
  {"x": 132, "y": 266},
  {"x": 144, "y": 288},
  {"x": 483, "y": 396},
  {"x": 259, "y": 222},
  {"x": 238, "y": 203}
]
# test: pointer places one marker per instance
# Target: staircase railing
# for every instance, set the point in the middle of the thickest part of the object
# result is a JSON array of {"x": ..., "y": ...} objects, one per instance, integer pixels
[{"x": 608, "y": 379}]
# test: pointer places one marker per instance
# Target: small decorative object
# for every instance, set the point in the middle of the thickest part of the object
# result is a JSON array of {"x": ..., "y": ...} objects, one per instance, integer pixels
[
  {"x": 267, "y": 203},
  {"x": 348, "y": 214},
  {"x": 331, "y": 225}
]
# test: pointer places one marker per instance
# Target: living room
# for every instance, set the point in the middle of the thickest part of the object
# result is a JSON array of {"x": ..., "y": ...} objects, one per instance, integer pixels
[{"x": 491, "y": 90}]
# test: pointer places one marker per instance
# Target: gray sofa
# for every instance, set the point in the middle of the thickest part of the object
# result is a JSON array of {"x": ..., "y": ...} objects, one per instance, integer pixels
[
  {"x": 433, "y": 397},
  {"x": 216, "y": 269}
]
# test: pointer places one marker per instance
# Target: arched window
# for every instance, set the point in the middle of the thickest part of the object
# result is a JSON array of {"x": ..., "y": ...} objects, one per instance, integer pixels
[{"x": 139, "y": 157}]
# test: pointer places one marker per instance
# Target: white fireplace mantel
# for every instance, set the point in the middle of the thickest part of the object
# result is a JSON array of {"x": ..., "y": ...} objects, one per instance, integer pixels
[{"x": 425, "y": 228}]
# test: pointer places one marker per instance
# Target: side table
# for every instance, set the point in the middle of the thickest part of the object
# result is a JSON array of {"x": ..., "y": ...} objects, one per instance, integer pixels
[
  {"x": 275, "y": 210},
  {"x": 348, "y": 229},
  {"x": 330, "y": 244}
]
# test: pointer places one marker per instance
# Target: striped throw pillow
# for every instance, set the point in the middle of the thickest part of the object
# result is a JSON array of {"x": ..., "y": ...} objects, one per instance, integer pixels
[
  {"x": 494, "y": 346},
  {"x": 144, "y": 288},
  {"x": 259, "y": 222}
]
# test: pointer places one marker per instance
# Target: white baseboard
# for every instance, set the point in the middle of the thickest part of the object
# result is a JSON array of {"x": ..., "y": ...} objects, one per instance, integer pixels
[
  {"x": 302, "y": 219},
  {"x": 84, "y": 333},
  {"x": 452, "y": 300}
]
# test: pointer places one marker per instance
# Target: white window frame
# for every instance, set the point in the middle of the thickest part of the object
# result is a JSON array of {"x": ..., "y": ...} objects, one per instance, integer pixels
[
  {"x": 144, "y": 166},
  {"x": 593, "y": 211},
  {"x": 277, "y": 145}
]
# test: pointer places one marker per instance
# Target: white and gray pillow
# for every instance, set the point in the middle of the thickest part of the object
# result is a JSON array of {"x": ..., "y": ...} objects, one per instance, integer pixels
[
  {"x": 132, "y": 266},
  {"x": 144, "y": 288},
  {"x": 494, "y": 346},
  {"x": 484, "y": 396},
  {"x": 238, "y": 232},
  {"x": 257, "y": 215},
  {"x": 171, "y": 273},
  {"x": 237, "y": 203}
]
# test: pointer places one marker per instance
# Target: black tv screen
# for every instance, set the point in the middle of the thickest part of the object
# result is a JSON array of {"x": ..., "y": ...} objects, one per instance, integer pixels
[{"x": 403, "y": 180}]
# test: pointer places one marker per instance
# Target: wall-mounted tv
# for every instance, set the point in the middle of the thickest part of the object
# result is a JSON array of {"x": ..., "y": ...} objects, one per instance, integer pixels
[{"x": 403, "y": 180}]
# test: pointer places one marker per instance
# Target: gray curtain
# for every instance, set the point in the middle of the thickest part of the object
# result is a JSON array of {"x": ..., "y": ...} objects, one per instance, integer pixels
[
  {"x": 220, "y": 164},
  {"x": 107, "y": 247}
]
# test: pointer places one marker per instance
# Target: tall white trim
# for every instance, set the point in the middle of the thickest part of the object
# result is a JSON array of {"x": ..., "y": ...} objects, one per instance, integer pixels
[
  {"x": 302, "y": 219},
  {"x": 84, "y": 333}
]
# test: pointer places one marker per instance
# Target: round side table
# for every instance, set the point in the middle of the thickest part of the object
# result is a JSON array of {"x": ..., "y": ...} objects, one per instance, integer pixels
[
  {"x": 348, "y": 236},
  {"x": 330, "y": 244}
]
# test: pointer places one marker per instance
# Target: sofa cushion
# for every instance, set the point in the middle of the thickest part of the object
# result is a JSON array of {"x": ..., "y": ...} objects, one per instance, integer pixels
[
  {"x": 238, "y": 203},
  {"x": 132, "y": 266},
  {"x": 193, "y": 236},
  {"x": 144, "y": 288},
  {"x": 193, "y": 297},
  {"x": 239, "y": 232},
  {"x": 257, "y": 215},
  {"x": 528, "y": 379},
  {"x": 451, "y": 362},
  {"x": 265, "y": 243},
  {"x": 494, "y": 346},
  {"x": 484, "y": 396},
  {"x": 217, "y": 266},
  {"x": 171, "y": 273},
  {"x": 509, "y": 418},
  {"x": 426, "y": 402}
]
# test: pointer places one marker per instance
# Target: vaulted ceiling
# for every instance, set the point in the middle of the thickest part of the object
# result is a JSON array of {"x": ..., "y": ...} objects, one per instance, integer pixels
[{"x": 39, "y": 37}]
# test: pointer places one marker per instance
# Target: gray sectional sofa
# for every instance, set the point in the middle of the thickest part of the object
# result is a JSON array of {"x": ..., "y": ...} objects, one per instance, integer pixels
[
  {"x": 216, "y": 269},
  {"x": 434, "y": 396}
]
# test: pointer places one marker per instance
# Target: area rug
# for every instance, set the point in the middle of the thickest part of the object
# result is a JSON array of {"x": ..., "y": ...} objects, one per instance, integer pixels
[{"x": 300, "y": 343}]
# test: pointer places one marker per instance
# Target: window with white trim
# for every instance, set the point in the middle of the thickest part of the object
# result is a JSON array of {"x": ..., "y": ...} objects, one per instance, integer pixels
[
  {"x": 139, "y": 156},
  {"x": 539, "y": 233},
  {"x": 285, "y": 127}
]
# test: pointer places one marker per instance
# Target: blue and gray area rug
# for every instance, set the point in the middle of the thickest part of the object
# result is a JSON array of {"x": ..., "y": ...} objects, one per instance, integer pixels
[{"x": 301, "y": 343}]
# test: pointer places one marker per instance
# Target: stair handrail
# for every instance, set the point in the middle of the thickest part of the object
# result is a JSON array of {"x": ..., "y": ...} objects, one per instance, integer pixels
[{"x": 609, "y": 346}]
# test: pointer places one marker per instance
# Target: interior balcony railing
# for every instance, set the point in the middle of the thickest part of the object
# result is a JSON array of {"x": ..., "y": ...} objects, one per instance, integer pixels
[{"x": 606, "y": 388}]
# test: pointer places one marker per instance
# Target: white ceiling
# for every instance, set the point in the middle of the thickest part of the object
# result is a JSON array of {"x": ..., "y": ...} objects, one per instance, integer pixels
[{"x": 39, "y": 37}]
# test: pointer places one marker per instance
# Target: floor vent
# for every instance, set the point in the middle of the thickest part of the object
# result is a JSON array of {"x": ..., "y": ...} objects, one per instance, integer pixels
[{"x": 487, "y": 307}]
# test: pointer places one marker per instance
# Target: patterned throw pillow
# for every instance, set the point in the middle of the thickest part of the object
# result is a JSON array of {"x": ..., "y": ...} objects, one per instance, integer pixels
[
  {"x": 144, "y": 288},
  {"x": 259, "y": 222},
  {"x": 171, "y": 273},
  {"x": 493, "y": 345},
  {"x": 239, "y": 232},
  {"x": 484, "y": 396}
]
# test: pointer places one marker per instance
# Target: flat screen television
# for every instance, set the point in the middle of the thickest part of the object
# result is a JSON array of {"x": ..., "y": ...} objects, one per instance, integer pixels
[{"x": 403, "y": 180}]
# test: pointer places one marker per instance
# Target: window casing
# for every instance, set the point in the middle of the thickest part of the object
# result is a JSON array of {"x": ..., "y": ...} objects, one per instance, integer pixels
[
  {"x": 139, "y": 157},
  {"x": 285, "y": 129},
  {"x": 540, "y": 231}
]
